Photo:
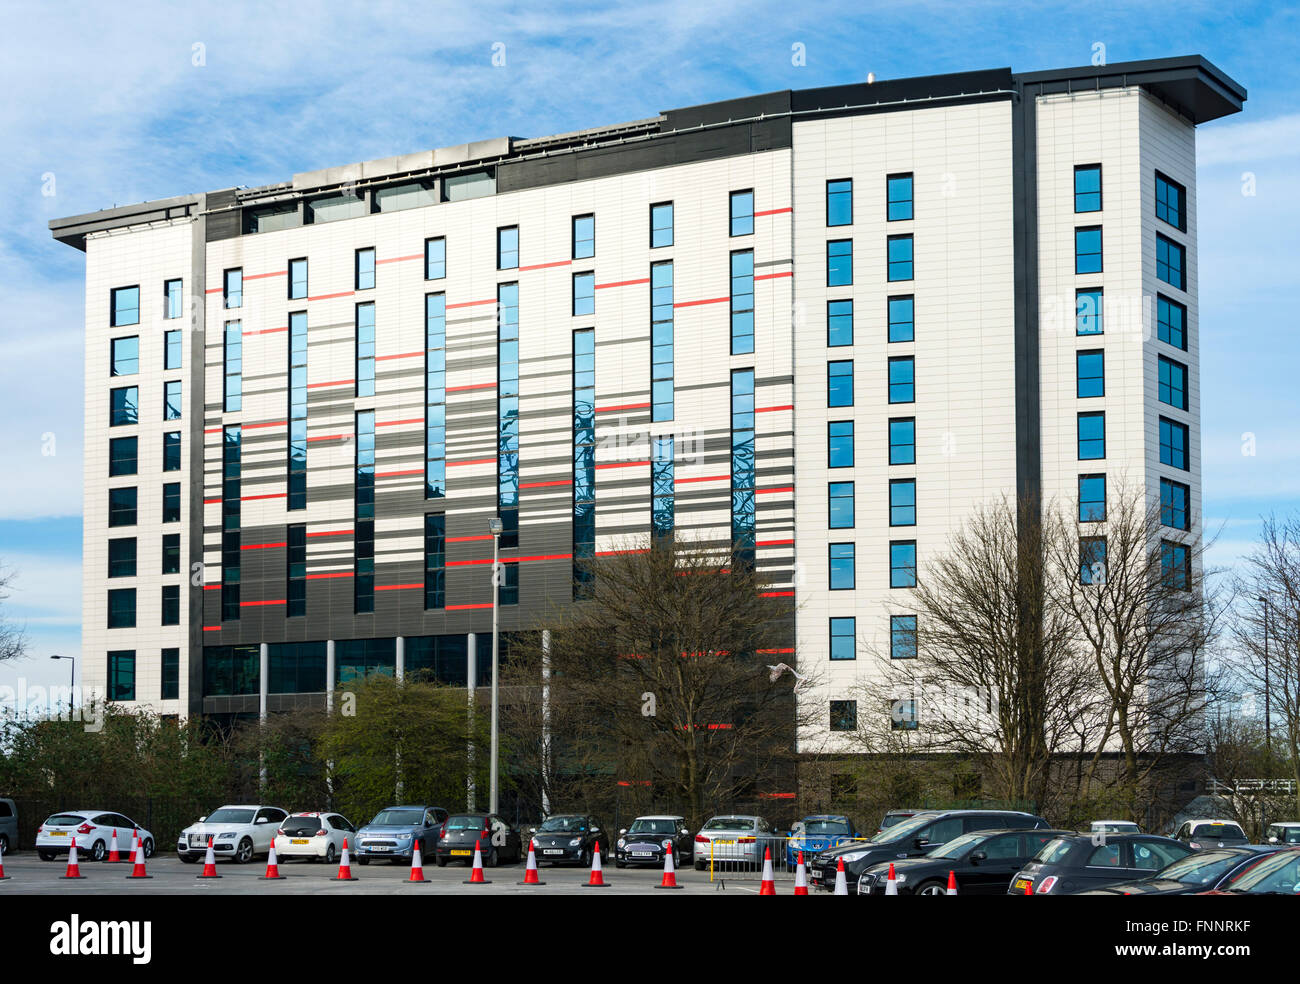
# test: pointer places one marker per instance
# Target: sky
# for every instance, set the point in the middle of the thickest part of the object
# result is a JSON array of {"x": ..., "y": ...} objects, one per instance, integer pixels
[{"x": 112, "y": 104}]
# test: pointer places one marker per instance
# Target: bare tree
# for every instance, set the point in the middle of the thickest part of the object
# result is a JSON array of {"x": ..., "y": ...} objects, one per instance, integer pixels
[{"x": 13, "y": 641}]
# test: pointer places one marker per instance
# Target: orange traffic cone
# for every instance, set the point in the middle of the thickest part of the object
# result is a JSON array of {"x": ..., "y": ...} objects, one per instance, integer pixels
[
  {"x": 891, "y": 883},
  {"x": 768, "y": 887},
  {"x": 137, "y": 870},
  {"x": 841, "y": 878},
  {"x": 345, "y": 866},
  {"x": 476, "y": 874},
  {"x": 670, "y": 869},
  {"x": 272, "y": 866},
  {"x": 597, "y": 879},
  {"x": 73, "y": 870},
  {"x": 952, "y": 883},
  {"x": 3, "y": 876},
  {"x": 210, "y": 863},
  {"x": 417, "y": 865},
  {"x": 801, "y": 877},
  {"x": 530, "y": 871},
  {"x": 113, "y": 855}
]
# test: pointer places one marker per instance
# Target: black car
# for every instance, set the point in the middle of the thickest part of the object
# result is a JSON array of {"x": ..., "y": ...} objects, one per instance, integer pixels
[
  {"x": 982, "y": 862},
  {"x": 569, "y": 838},
  {"x": 1077, "y": 862},
  {"x": 1202, "y": 871},
  {"x": 497, "y": 840},
  {"x": 912, "y": 838},
  {"x": 644, "y": 842},
  {"x": 1278, "y": 874}
]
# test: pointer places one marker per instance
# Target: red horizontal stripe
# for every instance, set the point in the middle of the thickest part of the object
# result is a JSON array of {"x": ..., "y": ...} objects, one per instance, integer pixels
[
  {"x": 396, "y": 587},
  {"x": 467, "y": 539},
  {"x": 268, "y": 495},
  {"x": 703, "y": 478},
  {"x": 213, "y": 290},
  {"x": 395, "y": 474},
  {"x": 470, "y": 461},
  {"x": 317, "y": 577},
  {"x": 212, "y": 430},
  {"x": 211, "y": 628},
  {"x": 623, "y": 406},
  {"x": 209, "y": 502},
  {"x": 399, "y": 355},
  {"x": 543, "y": 266},
  {"x": 398, "y": 423},
  {"x": 623, "y": 283},
  {"x": 328, "y": 437},
  {"x": 212, "y": 587},
  {"x": 774, "y": 276},
  {"x": 490, "y": 300},
  {"x": 332, "y": 382},
  {"x": 268, "y": 423},
  {"x": 774, "y": 211},
  {"x": 455, "y": 608},
  {"x": 708, "y": 300},
  {"x": 766, "y": 652},
  {"x": 331, "y": 533},
  {"x": 774, "y": 543},
  {"x": 326, "y": 297},
  {"x": 774, "y": 488},
  {"x": 622, "y": 464},
  {"x": 261, "y": 546},
  {"x": 544, "y": 485},
  {"x": 399, "y": 259},
  {"x": 261, "y": 276},
  {"x": 613, "y": 553},
  {"x": 253, "y": 604},
  {"x": 508, "y": 560},
  {"x": 777, "y": 796},
  {"x": 471, "y": 386},
  {"x": 788, "y": 406},
  {"x": 265, "y": 331},
  {"x": 777, "y": 594}
]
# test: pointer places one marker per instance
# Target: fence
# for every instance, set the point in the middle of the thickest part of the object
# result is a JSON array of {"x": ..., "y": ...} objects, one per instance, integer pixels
[
  {"x": 741, "y": 856},
  {"x": 164, "y": 817}
]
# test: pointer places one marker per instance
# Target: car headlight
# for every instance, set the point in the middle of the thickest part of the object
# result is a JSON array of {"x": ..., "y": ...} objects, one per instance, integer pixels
[
  {"x": 622, "y": 842},
  {"x": 225, "y": 837},
  {"x": 575, "y": 842},
  {"x": 853, "y": 856},
  {"x": 404, "y": 837},
  {"x": 666, "y": 844},
  {"x": 899, "y": 879}
]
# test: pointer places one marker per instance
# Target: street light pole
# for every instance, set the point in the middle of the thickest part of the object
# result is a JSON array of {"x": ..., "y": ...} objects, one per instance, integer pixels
[
  {"x": 1268, "y": 716},
  {"x": 72, "y": 682},
  {"x": 494, "y": 525}
]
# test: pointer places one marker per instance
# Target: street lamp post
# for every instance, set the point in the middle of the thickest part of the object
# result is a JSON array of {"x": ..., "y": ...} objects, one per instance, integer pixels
[
  {"x": 1268, "y": 717},
  {"x": 494, "y": 525},
  {"x": 72, "y": 681}
]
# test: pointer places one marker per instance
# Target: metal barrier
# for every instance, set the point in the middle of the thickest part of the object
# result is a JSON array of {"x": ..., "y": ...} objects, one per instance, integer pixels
[{"x": 740, "y": 857}]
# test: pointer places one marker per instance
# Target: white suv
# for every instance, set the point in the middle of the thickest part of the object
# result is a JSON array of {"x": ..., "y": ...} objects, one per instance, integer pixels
[{"x": 239, "y": 832}]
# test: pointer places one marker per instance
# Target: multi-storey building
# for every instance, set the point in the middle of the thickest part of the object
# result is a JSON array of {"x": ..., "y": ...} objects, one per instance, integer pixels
[{"x": 822, "y": 325}]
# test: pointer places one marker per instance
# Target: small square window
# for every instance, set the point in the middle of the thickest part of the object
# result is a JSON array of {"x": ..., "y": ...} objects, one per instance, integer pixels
[
  {"x": 844, "y": 715},
  {"x": 124, "y": 306},
  {"x": 903, "y": 715}
]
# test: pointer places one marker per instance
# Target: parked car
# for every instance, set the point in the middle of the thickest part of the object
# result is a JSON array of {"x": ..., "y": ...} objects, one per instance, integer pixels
[
  {"x": 817, "y": 833},
  {"x": 736, "y": 840},
  {"x": 983, "y": 863},
  {"x": 569, "y": 838},
  {"x": 239, "y": 832},
  {"x": 314, "y": 836},
  {"x": 1198, "y": 834},
  {"x": 93, "y": 832},
  {"x": 393, "y": 831},
  {"x": 1287, "y": 832},
  {"x": 8, "y": 826},
  {"x": 894, "y": 817},
  {"x": 1200, "y": 871},
  {"x": 1275, "y": 875},
  {"x": 1076, "y": 862},
  {"x": 646, "y": 840},
  {"x": 497, "y": 840},
  {"x": 1115, "y": 827},
  {"x": 912, "y": 838}
]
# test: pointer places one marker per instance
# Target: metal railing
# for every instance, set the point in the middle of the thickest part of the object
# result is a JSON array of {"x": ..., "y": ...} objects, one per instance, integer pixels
[{"x": 739, "y": 856}]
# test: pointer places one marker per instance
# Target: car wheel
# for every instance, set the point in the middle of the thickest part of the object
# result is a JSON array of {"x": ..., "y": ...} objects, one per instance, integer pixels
[
  {"x": 98, "y": 851},
  {"x": 440, "y": 861},
  {"x": 932, "y": 888},
  {"x": 4, "y": 844},
  {"x": 491, "y": 860},
  {"x": 363, "y": 861},
  {"x": 699, "y": 865},
  {"x": 189, "y": 858},
  {"x": 584, "y": 859},
  {"x": 330, "y": 854},
  {"x": 148, "y": 848},
  {"x": 244, "y": 853},
  {"x": 620, "y": 864},
  {"x": 46, "y": 855}
]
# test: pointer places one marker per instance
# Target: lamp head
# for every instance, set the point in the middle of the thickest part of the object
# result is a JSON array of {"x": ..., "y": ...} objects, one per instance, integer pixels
[{"x": 494, "y": 524}]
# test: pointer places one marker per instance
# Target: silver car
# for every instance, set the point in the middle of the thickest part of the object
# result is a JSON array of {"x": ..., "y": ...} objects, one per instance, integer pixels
[
  {"x": 734, "y": 840},
  {"x": 8, "y": 826}
]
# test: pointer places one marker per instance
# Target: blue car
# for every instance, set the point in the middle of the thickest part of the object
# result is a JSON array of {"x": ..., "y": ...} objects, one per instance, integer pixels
[{"x": 817, "y": 833}]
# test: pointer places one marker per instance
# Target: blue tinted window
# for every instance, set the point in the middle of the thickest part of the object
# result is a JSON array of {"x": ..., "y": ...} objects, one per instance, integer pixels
[
  {"x": 435, "y": 258},
  {"x": 1088, "y": 312},
  {"x": 743, "y": 475},
  {"x": 125, "y": 356},
  {"x": 902, "y": 636},
  {"x": 742, "y": 213},
  {"x": 1170, "y": 262},
  {"x": 742, "y": 302},
  {"x": 232, "y": 289},
  {"x": 839, "y": 202},
  {"x": 365, "y": 354},
  {"x": 1173, "y": 444},
  {"x": 1087, "y": 188},
  {"x": 435, "y": 396},
  {"x": 839, "y": 435},
  {"x": 1092, "y": 560},
  {"x": 901, "y": 314},
  {"x": 663, "y": 492},
  {"x": 1090, "y": 371},
  {"x": 902, "y": 564},
  {"x": 172, "y": 451},
  {"x": 1175, "y": 498},
  {"x": 123, "y": 406},
  {"x": 902, "y": 502},
  {"x": 661, "y": 225},
  {"x": 840, "y": 495},
  {"x": 172, "y": 351},
  {"x": 1175, "y": 565},
  {"x": 841, "y": 569},
  {"x": 584, "y": 294},
  {"x": 1171, "y": 322},
  {"x": 1171, "y": 202},
  {"x": 172, "y": 400},
  {"x": 171, "y": 512},
  {"x": 899, "y": 187},
  {"x": 584, "y": 236},
  {"x": 839, "y": 323},
  {"x": 122, "y": 507},
  {"x": 1087, "y": 250},
  {"x": 1172, "y": 383},
  {"x": 902, "y": 380},
  {"x": 125, "y": 306},
  {"x": 902, "y": 441},
  {"x": 584, "y": 458},
  {"x": 844, "y": 638},
  {"x": 297, "y": 279},
  {"x": 1092, "y": 436},
  {"x": 900, "y": 257},
  {"x": 661, "y": 341},
  {"x": 839, "y": 384},
  {"x": 173, "y": 298},
  {"x": 121, "y": 670},
  {"x": 839, "y": 262},
  {"x": 233, "y": 369},
  {"x": 1092, "y": 498},
  {"x": 508, "y": 248},
  {"x": 123, "y": 456}
]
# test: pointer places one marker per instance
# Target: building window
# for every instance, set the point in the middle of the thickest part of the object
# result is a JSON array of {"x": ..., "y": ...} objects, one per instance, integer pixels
[
  {"x": 508, "y": 248},
  {"x": 121, "y": 674},
  {"x": 839, "y": 263},
  {"x": 435, "y": 561},
  {"x": 902, "y": 715},
  {"x": 1172, "y": 383},
  {"x": 1092, "y": 560},
  {"x": 121, "y": 557},
  {"x": 296, "y": 495},
  {"x": 839, "y": 383},
  {"x": 125, "y": 356},
  {"x": 123, "y": 456},
  {"x": 172, "y": 400},
  {"x": 1171, "y": 262},
  {"x": 899, "y": 192},
  {"x": 300, "y": 667},
  {"x": 121, "y": 608},
  {"x": 742, "y": 213},
  {"x": 1087, "y": 188},
  {"x": 902, "y": 441},
  {"x": 661, "y": 341},
  {"x": 232, "y": 288},
  {"x": 584, "y": 237},
  {"x": 171, "y": 604},
  {"x": 173, "y": 351},
  {"x": 122, "y": 507},
  {"x": 230, "y": 671},
  {"x": 839, "y": 440},
  {"x": 901, "y": 319},
  {"x": 123, "y": 406},
  {"x": 902, "y": 563},
  {"x": 663, "y": 491},
  {"x": 171, "y": 451},
  {"x": 297, "y": 279},
  {"x": 1175, "y": 566},
  {"x": 1092, "y": 435},
  {"x": 295, "y": 570},
  {"x": 508, "y": 413},
  {"x": 902, "y": 637},
  {"x": 1171, "y": 322},
  {"x": 844, "y": 635},
  {"x": 584, "y": 458},
  {"x": 843, "y": 576},
  {"x": 742, "y": 302},
  {"x": 510, "y": 583},
  {"x": 171, "y": 512},
  {"x": 365, "y": 268},
  {"x": 1173, "y": 444},
  {"x": 435, "y": 396},
  {"x": 844, "y": 715},
  {"x": 1090, "y": 374},
  {"x": 902, "y": 502},
  {"x": 839, "y": 323},
  {"x": 1088, "y": 312},
  {"x": 1171, "y": 202},
  {"x": 1092, "y": 498},
  {"x": 743, "y": 474},
  {"x": 231, "y": 481},
  {"x": 171, "y": 553},
  {"x": 584, "y": 294},
  {"x": 363, "y": 580},
  {"x": 365, "y": 349},
  {"x": 1174, "y": 500},
  {"x": 900, "y": 258},
  {"x": 661, "y": 225},
  {"x": 840, "y": 495},
  {"x": 173, "y": 298},
  {"x": 902, "y": 380},
  {"x": 171, "y": 674},
  {"x": 435, "y": 258},
  {"x": 839, "y": 202},
  {"x": 1087, "y": 250},
  {"x": 232, "y": 353},
  {"x": 125, "y": 306}
]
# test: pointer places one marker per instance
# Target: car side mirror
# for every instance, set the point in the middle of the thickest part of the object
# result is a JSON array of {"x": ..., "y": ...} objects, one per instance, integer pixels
[
  {"x": 1272, "y": 840},
  {"x": 595, "y": 830},
  {"x": 201, "y": 819},
  {"x": 979, "y": 856},
  {"x": 622, "y": 832},
  {"x": 685, "y": 832},
  {"x": 532, "y": 830},
  {"x": 262, "y": 820},
  {"x": 922, "y": 842}
]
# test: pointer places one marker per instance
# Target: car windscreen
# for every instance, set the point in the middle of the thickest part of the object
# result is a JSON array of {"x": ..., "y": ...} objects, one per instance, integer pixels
[
  {"x": 1285, "y": 835},
  {"x": 1117, "y": 828},
  {"x": 231, "y": 816},
  {"x": 1054, "y": 850},
  {"x": 466, "y": 822},
  {"x": 1204, "y": 868},
  {"x": 398, "y": 818},
  {"x": 831, "y": 828},
  {"x": 65, "y": 820},
  {"x": 729, "y": 823},
  {"x": 956, "y": 847},
  {"x": 562, "y": 825},
  {"x": 904, "y": 830},
  {"x": 652, "y": 827},
  {"x": 296, "y": 826},
  {"x": 892, "y": 820},
  {"x": 1219, "y": 831},
  {"x": 1280, "y": 873}
]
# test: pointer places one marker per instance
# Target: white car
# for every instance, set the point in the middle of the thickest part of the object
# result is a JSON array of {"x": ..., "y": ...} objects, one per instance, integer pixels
[
  {"x": 1286, "y": 832},
  {"x": 93, "y": 832},
  {"x": 1115, "y": 827},
  {"x": 239, "y": 832},
  {"x": 316, "y": 836}
]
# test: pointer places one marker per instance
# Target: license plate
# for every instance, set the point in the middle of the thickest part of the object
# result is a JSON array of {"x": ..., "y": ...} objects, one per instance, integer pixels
[
  {"x": 642, "y": 854},
  {"x": 298, "y": 840},
  {"x": 461, "y": 854},
  {"x": 1021, "y": 885},
  {"x": 728, "y": 843},
  {"x": 553, "y": 850},
  {"x": 58, "y": 833},
  {"x": 379, "y": 848}
]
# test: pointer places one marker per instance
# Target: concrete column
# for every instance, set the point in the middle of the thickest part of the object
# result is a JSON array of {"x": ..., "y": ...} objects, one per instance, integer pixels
[
  {"x": 401, "y": 657},
  {"x": 264, "y": 682},
  {"x": 471, "y": 675},
  {"x": 546, "y": 722},
  {"x": 329, "y": 676}
]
